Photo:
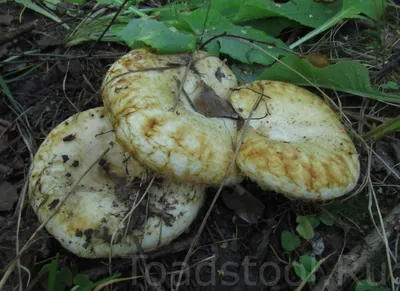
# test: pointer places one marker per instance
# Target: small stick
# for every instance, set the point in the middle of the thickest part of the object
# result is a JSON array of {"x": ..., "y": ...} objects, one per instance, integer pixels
[{"x": 22, "y": 29}]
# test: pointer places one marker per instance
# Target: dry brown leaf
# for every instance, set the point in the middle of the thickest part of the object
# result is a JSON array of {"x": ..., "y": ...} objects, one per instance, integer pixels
[
  {"x": 318, "y": 59},
  {"x": 246, "y": 206},
  {"x": 212, "y": 105}
]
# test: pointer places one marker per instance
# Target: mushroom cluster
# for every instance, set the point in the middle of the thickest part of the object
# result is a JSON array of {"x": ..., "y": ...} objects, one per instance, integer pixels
[{"x": 170, "y": 127}]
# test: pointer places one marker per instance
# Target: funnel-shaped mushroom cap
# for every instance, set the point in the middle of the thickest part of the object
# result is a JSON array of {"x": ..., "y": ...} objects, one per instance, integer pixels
[
  {"x": 97, "y": 207},
  {"x": 172, "y": 138},
  {"x": 295, "y": 145}
]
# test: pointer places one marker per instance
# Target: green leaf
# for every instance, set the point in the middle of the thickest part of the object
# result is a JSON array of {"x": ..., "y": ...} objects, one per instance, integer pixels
[
  {"x": 325, "y": 219},
  {"x": 306, "y": 268},
  {"x": 64, "y": 279},
  {"x": 289, "y": 241},
  {"x": 306, "y": 12},
  {"x": 389, "y": 85},
  {"x": 83, "y": 282},
  {"x": 314, "y": 221},
  {"x": 246, "y": 73},
  {"x": 270, "y": 26},
  {"x": 76, "y": 1},
  {"x": 52, "y": 269},
  {"x": 232, "y": 45},
  {"x": 350, "y": 9},
  {"x": 348, "y": 76},
  {"x": 304, "y": 227},
  {"x": 372, "y": 8},
  {"x": 367, "y": 285},
  {"x": 140, "y": 32}
]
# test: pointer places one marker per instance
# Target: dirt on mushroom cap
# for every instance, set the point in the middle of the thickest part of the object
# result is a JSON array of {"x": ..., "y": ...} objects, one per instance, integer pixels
[
  {"x": 175, "y": 141},
  {"x": 296, "y": 144},
  {"x": 95, "y": 209}
]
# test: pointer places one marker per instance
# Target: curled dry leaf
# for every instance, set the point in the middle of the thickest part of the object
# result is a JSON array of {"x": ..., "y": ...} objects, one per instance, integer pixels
[
  {"x": 212, "y": 105},
  {"x": 248, "y": 207},
  {"x": 318, "y": 59}
]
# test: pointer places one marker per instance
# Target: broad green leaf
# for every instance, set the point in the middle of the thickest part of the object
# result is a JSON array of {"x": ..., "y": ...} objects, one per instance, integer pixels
[
  {"x": 304, "y": 227},
  {"x": 367, "y": 285},
  {"x": 140, "y": 32},
  {"x": 348, "y": 76},
  {"x": 270, "y": 26},
  {"x": 289, "y": 241},
  {"x": 306, "y": 268},
  {"x": 372, "y": 8},
  {"x": 350, "y": 9},
  {"x": 306, "y": 12},
  {"x": 246, "y": 73},
  {"x": 227, "y": 8},
  {"x": 228, "y": 45}
]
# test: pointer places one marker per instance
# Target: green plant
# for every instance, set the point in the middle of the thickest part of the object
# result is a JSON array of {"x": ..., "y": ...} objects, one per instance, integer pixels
[
  {"x": 305, "y": 268},
  {"x": 367, "y": 285},
  {"x": 59, "y": 279},
  {"x": 289, "y": 241},
  {"x": 307, "y": 224},
  {"x": 307, "y": 265}
]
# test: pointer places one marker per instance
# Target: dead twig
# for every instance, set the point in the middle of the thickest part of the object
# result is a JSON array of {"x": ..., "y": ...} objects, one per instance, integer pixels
[{"x": 22, "y": 29}]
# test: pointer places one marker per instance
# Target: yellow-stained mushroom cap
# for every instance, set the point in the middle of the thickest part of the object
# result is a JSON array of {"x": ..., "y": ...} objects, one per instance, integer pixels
[
  {"x": 175, "y": 141},
  {"x": 296, "y": 144},
  {"x": 96, "y": 208}
]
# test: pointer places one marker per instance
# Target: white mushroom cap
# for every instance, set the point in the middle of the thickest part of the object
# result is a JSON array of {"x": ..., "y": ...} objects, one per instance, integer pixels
[
  {"x": 181, "y": 144},
  {"x": 96, "y": 208},
  {"x": 297, "y": 146}
]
